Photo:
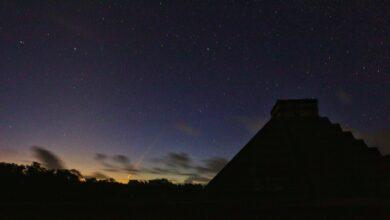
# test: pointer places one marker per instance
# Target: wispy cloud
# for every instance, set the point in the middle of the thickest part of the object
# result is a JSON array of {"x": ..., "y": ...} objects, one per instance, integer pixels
[
  {"x": 175, "y": 160},
  {"x": 47, "y": 158},
  {"x": 212, "y": 165},
  {"x": 181, "y": 164},
  {"x": 116, "y": 163},
  {"x": 100, "y": 176},
  {"x": 207, "y": 170},
  {"x": 121, "y": 159},
  {"x": 100, "y": 157},
  {"x": 197, "y": 179}
]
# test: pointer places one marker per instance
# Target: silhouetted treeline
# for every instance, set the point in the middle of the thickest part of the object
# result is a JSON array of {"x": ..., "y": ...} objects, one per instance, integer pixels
[
  {"x": 35, "y": 183},
  {"x": 33, "y": 192}
]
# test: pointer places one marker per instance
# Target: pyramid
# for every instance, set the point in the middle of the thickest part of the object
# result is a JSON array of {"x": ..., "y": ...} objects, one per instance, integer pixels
[{"x": 299, "y": 152}]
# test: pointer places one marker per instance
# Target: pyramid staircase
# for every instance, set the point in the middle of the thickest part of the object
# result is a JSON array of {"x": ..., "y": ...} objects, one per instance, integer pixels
[{"x": 299, "y": 152}]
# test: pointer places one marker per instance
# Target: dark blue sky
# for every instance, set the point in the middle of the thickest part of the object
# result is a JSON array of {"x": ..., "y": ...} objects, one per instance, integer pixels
[{"x": 151, "y": 80}]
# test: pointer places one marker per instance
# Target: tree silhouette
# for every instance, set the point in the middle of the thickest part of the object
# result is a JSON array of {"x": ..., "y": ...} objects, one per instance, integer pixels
[{"x": 36, "y": 183}]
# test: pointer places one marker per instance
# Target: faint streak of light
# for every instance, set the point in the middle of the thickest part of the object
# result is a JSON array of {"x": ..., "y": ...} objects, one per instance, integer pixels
[{"x": 148, "y": 148}]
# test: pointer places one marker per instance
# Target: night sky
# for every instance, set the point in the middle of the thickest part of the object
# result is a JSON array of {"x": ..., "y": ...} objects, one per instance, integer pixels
[{"x": 147, "y": 89}]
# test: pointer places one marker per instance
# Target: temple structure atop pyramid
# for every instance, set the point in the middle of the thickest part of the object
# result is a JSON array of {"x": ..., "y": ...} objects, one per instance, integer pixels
[
  {"x": 295, "y": 108},
  {"x": 300, "y": 152}
]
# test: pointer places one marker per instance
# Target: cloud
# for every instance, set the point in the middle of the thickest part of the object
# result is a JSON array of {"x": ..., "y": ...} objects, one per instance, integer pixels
[
  {"x": 186, "y": 129},
  {"x": 205, "y": 172},
  {"x": 181, "y": 164},
  {"x": 176, "y": 160},
  {"x": 212, "y": 165},
  {"x": 130, "y": 169},
  {"x": 116, "y": 163},
  {"x": 196, "y": 179},
  {"x": 159, "y": 170},
  {"x": 47, "y": 158},
  {"x": 124, "y": 164},
  {"x": 169, "y": 171},
  {"x": 109, "y": 167},
  {"x": 100, "y": 157},
  {"x": 122, "y": 159},
  {"x": 100, "y": 176},
  {"x": 344, "y": 97},
  {"x": 251, "y": 124},
  {"x": 180, "y": 160}
]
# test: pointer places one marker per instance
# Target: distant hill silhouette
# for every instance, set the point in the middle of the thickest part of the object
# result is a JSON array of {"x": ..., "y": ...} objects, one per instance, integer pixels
[{"x": 300, "y": 153}]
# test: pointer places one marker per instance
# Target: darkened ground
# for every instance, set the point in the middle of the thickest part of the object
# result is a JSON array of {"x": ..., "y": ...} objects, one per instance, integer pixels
[
  {"x": 196, "y": 210},
  {"x": 33, "y": 192}
]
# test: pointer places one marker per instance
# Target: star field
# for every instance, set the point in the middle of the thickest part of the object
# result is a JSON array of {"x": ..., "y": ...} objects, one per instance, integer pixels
[{"x": 154, "y": 79}]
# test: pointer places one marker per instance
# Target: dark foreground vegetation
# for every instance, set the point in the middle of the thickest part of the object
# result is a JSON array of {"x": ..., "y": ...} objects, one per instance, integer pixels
[
  {"x": 33, "y": 192},
  {"x": 34, "y": 183}
]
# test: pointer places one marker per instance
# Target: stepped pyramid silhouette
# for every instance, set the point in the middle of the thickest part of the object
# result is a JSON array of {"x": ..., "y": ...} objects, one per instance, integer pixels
[{"x": 299, "y": 152}]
